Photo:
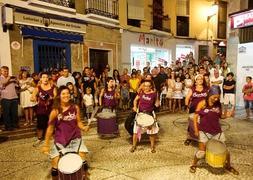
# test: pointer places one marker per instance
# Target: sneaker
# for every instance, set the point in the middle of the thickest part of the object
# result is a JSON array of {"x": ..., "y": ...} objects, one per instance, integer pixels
[{"x": 37, "y": 143}]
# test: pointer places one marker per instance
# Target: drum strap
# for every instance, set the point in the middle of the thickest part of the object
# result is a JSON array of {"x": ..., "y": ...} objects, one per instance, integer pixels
[
  {"x": 211, "y": 138},
  {"x": 60, "y": 148}
]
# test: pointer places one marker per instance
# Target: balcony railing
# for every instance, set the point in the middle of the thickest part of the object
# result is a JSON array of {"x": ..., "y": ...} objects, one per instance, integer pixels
[
  {"x": 65, "y": 3},
  {"x": 106, "y": 8}
]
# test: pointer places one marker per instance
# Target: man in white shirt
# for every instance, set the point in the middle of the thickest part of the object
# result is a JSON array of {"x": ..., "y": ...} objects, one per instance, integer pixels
[
  {"x": 217, "y": 80},
  {"x": 65, "y": 78}
]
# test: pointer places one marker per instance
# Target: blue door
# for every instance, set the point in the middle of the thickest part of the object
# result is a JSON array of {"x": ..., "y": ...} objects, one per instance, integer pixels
[{"x": 49, "y": 55}]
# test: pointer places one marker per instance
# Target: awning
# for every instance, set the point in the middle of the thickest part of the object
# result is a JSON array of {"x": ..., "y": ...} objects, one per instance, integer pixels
[{"x": 50, "y": 34}]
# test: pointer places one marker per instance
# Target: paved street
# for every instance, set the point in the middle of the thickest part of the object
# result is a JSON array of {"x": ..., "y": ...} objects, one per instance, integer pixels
[{"x": 110, "y": 159}]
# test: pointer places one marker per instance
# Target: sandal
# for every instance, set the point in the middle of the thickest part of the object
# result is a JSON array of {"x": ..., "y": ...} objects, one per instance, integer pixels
[
  {"x": 133, "y": 148},
  {"x": 26, "y": 124},
  {"x": 193, "y": 168},
  {"x": 232, "y": 170},
  {"x": 153, "y": 150},
  {"x": 187, "y": 142}
]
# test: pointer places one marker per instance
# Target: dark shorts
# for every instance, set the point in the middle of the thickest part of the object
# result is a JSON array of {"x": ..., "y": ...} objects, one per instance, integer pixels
[
  {"x": 248, "y": 104},
  {"x": 42, "y": 121}
]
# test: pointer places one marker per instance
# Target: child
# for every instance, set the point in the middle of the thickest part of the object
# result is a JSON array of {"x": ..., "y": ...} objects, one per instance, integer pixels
[
  {"x": 125, "y": 95},
  {"x": 178, "y": 95},
  {"x": 163, "y": 95},
  {"x": 88, "y": 102},
  {"x": 229, "y": 94}
]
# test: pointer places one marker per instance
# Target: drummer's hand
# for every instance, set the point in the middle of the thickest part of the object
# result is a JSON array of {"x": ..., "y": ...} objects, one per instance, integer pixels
[
  {"x": 45, "y": 149},
  {"x": 86, "y": 128},
  {"x": 135, "y": 109}
]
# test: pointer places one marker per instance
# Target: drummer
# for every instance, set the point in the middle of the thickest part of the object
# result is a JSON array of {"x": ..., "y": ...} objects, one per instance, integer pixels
[
  {"x": 65, "y": 124},
  {"x": 209, "y": 111},
  {"x": 109, "y": 96},
  {"x": 146, "y": 101}
]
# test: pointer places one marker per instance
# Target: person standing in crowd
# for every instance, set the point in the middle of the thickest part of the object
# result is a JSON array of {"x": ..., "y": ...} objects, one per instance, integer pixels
[
  {"x": 171, "y": 82},
  {"x": 88, "y": 81},
  {"x": 194, "y": 96},
  {"x": 208, "y": 112},
  {"x": 9, "y": 99},
  {"x": 26, "y": 89},
  {"x": 124, "y": 94},
  {"x": 66, "y": 125},
  {"x": 116, "y": 77},
  {"x": 229, "y": 94},
  {"x": 177, "y": 95},
  {"x": 225, "y": 69},
  {"x": 43, "y": 94},
  {"x": 134, "y": 83},
  {"x": 188, "y": 83},
  {"x": 88, "y": 102},
  {"x": 248, "y": 95},
  {"x": 125, "y": 76},
  {"x": 148, "y": 68},
  {"x": 73, "y": 92},
  {"x": 145, "y": 102},
  {"x": 65, "y": 78}
]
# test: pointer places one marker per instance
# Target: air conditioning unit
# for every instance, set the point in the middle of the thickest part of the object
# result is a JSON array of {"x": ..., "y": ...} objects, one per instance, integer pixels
[{"x": 7, "y": 15}]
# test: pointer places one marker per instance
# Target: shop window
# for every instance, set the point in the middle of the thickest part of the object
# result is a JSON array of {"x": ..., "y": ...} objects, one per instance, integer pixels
[
  {"x": 49, "y": 55},
  {"x": 182, "y": 26},
  {"x": 222, "y": 20}
]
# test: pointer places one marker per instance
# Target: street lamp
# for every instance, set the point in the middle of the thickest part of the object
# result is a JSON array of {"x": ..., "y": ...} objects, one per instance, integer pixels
[{"x": 211, "y": 12}]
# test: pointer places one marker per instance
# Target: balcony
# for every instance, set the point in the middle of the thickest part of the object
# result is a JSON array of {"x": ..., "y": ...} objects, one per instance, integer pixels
[
  {"x": 60, "y": 5},
  {"x": 161, "y": 27},
  {"x": 103, "y": 10}
]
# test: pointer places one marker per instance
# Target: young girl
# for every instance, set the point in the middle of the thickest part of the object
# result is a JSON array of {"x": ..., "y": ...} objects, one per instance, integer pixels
[
  {"x": 187, "y": 84},
  {"x": 73, "y": 92},
  {"x": 163, "y": 99},
  {"x": 88, "y": 102},
  {"x": 65, "y": 124},
  {"x": 178, "y": 95},
  {"x": 171, "y": 85}
]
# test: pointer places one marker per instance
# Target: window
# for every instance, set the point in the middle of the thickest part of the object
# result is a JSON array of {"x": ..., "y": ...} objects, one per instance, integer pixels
[
  {"x": 135, "y": 12},
  {"x": 183, "y": 7},
  {"x": 222, "y": 20},
  {"x": 182, "y": 26}
]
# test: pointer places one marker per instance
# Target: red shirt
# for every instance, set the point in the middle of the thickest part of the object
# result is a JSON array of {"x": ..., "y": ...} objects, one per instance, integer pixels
[{"x": 248, "y": 96}]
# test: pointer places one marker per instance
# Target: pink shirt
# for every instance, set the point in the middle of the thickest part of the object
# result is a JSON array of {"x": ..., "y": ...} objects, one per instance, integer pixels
[
  {"x": 248, "y": 96},
  {"x": 9, "y": 91}
]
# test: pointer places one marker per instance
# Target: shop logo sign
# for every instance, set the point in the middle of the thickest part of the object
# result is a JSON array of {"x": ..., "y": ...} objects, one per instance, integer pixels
[
  {"x": 150, "y": 40},
  {"x": 242, "y": 49}
]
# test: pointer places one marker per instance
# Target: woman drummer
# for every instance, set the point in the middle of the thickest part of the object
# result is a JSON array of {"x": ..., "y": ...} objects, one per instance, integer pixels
[
  {"x": 194, "y": 96},
  {"x": 109, "y": 96},
  {"x": 66, "y": 125},
  {"x": 209, "y": 111},
  {"x": 146, "y": 100}
]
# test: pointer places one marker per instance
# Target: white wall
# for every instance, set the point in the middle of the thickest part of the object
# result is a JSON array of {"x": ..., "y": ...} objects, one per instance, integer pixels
[
  {"x": 5, "y": 51},
  {"x": 244, "y": 68}
]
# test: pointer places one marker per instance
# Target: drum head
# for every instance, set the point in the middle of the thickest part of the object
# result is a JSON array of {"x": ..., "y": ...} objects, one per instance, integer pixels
[
  {"x": 144, "y": 120},
  {"x": 106, "y": 115},
  {"x": 70, "y": 163},
  {"x": 215, "y": 146}
]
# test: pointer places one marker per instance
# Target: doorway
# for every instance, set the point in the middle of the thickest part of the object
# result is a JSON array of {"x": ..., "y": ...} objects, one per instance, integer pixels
[{"x": 98, "y": 60}]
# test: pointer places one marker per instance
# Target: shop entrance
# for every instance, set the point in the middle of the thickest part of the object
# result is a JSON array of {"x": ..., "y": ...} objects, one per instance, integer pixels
[{"x": 98, "y": 60}]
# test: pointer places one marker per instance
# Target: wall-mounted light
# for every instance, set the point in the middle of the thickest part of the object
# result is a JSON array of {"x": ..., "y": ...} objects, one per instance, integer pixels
[{"x": 212, "y": 10}]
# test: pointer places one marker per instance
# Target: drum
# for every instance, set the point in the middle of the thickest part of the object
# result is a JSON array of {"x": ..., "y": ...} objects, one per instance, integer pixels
[
  {"x": 107, "y": 123},
  {"x": 144, "y": 120},
  {"x": 216, "y": 152},
  {"x": 129, "y": 123},
  {"x": 190, "y": 130},
  {"x": 70, "y": 167}
]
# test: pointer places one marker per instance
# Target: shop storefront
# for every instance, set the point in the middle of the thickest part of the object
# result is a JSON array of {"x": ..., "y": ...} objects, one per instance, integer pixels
[
  {"x": 140, "y": 48},
  {"x": 43, "y": 43}
]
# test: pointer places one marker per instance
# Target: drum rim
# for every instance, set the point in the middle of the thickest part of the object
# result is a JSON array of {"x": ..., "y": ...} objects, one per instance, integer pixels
[{"x": 79, "y": 167}]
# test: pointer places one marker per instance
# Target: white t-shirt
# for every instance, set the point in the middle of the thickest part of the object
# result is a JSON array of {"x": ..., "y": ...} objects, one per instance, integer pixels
[
  {"x": 88, "y": 99},
  {"x": 62, "y": 81},
  {"x": 220, "y": 78}
]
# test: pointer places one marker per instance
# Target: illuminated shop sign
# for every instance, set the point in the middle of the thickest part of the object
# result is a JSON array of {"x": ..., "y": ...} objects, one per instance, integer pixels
[
  {"x": 241, "y": 20},
  {"x": 150, "y": 40}
]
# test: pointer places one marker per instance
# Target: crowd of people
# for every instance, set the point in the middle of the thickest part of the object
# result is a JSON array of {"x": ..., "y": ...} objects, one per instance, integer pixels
[{"x": 59, "y": 96}]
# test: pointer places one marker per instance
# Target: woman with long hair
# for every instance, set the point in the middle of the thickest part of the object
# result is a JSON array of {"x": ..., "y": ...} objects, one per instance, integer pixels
[{"x": 66, "y": 125}]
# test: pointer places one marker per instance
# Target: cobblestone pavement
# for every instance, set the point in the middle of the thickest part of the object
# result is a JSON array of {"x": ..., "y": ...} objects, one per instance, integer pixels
[{"x": 110, "y": 159}]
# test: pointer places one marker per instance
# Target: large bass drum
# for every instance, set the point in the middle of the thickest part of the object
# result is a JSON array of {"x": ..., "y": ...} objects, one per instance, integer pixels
[
  {"x": 107, "y": 124},
  {"x": 216, "y": 153}
]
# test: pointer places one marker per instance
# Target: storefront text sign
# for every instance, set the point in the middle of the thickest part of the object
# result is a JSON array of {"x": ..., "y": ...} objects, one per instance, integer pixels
[
  {"x": 150, "y": 40},
  {"x": 241, "y": 20},
  {"x": 32, "y": 20}
]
